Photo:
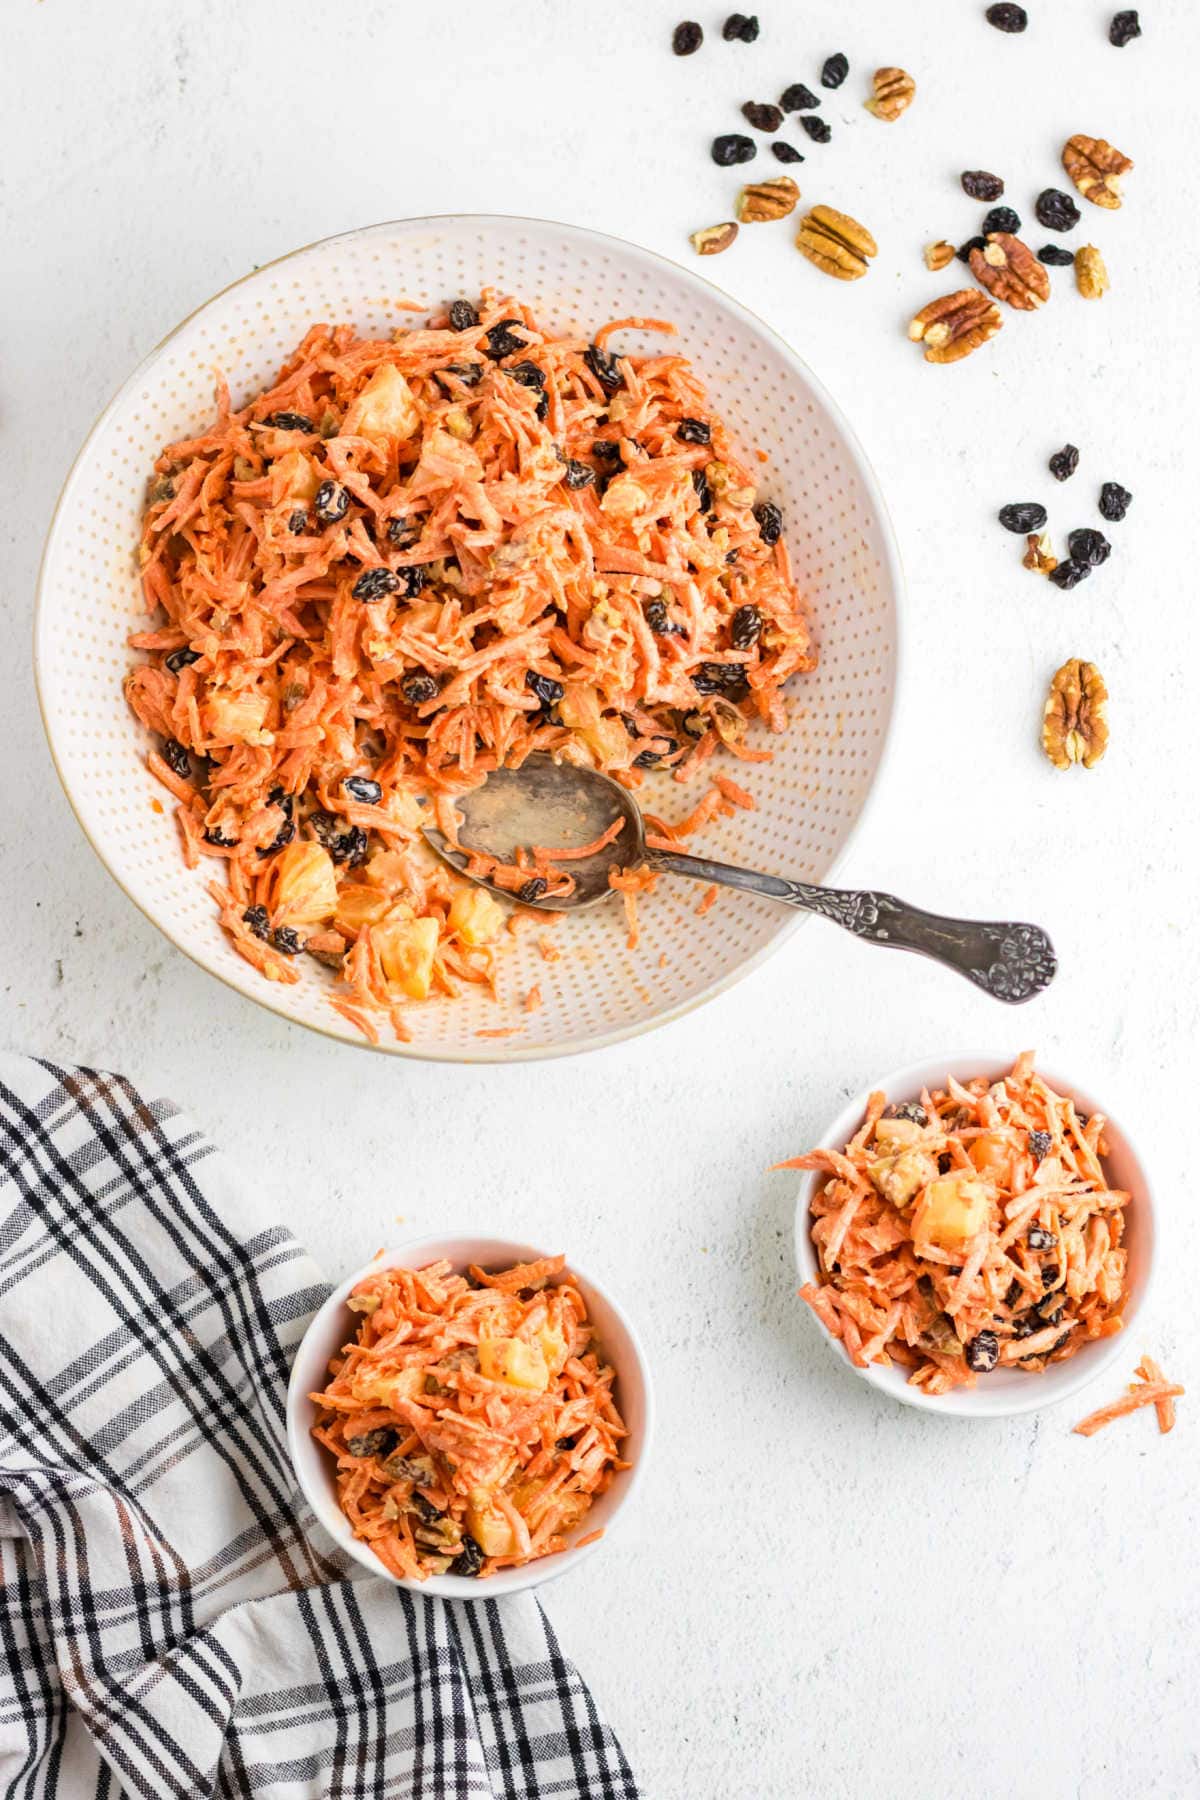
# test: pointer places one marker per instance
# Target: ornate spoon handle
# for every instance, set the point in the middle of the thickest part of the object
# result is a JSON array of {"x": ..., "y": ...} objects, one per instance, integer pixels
[{"x": 1009, "y": 960}]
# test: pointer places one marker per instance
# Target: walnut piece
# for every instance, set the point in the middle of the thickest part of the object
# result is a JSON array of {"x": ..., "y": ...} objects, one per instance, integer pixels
[
  {"x": 1091, "y": 276},
  {"x": 950, "y": 328},
  {"x": 1096, "y": 169},
  {"x": 1039, "y": 557},
  {"x": 773, "y": 199},
  {"x": 835, "y": 242},
  {"x": 894, "y": 91},
  {"x": 938, "y": 254},
  {"x": 1008, "y": 268},
  {"x": 714, "y": 238},
  {"x": 1074, "y": 722}
]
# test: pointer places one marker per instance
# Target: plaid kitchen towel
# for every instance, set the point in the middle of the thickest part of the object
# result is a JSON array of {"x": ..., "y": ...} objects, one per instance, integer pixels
[{"x": 172, "y": 1620}]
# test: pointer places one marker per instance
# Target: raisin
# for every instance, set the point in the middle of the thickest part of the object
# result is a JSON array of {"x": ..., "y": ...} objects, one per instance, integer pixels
[
  {"x": 1114, "y": 501},
  {"x": 716, "y": 678},
  {"x": 1050, "y": 1275},
  {"x": 798, "y": 98},
  {"x": 1012, "y": 1293},
  {"x": 1055, "y": 257},
  {"x": 703, "y": 491},
  {"x": 1051, "y": 1309},
  {"x": 1064, "y": 462},
  {"x": 693, "y": 725},
  {"x": 361, "y": 787},
  {"x": 1069, "y": 573},
  {"x": 606, "y": 450},
  {"x": 694, "y": 431},
  {"x": 372, "y": 1443},
  {"x": 655, "y": 612},
  {"x": 420, "y": 687},
  {"x": 469, "y": 1560},
  {"x": 817, "y": 129},
  {"x": 1025, "y": 1326},
  {"x": 176, "y": 758},
  {"x": 1089, "y": 546},
  {"x": 578, "y": 475},
  {"x": 740, "y": 26},
  {"x": 181, "y": 659},
  {"x": 1056, "y": 210},
  {"x": 1023, "y": 516},
  {"x": 1039, "y": 1144},
  {"x": 470, "y": 374},
  {"x": 286, "y": 941},
  {"x": 374, "y": 584},
  {"x": 731, "y": 556},
  {"x": 908, "y": 1109},
  {"x": 650, "y": 759},
  {"x": 687, "y": 38},
  {"x": 528, "y": 374},
  {"x": 462, "y": 315},
  {"x": 349, "y": 847},
  {"x": 544, "y": 687},
  {"x": 983, "y": 1352},
  {"x": 745, "y": 627},
  {"x": 259, "y": 921},
  {"x": 945, "y": 1164},
  {"x": 786, "y": 153},
  {"x": 605, "y": 367},
  {"x": 732, "y": 148},
  {"x": 532, "y": 890},
  {"x": 834, "y": 70},
  {"x": 1039, "y": 1239},
  {"x": 1007, "y": 18},
  {"x": 411, "y": 582},
  {"x": 763, "y": 117},
  {"x": 500, "y": 339},
  {"x": 980, "y": 184},
  {"x": 1001, "y": 218},
  {"x": 287, "y": 829},
  {"x": 403, "y": 533},
  {"x": 214, "y": 835},
  {"x": 288, "y": 421},
  {"x": 1124, "y": 28},
  {"x": 298, "y": 521},
  {"x": 332, "y": 502},
  {"x": 770, "y": 521},
  {"x": 963, "y": 252}
]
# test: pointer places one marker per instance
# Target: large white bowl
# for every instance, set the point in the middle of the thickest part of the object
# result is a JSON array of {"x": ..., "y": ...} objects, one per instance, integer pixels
[
  {"x": 333, "y": 1325},
  {"x": 809, "y": 798},
  {"x": 1005, "y": 1390}
]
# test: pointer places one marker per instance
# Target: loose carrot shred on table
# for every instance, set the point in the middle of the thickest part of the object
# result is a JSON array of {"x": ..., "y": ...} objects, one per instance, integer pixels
[
  {"x": 1141, "y": 1393},
  {"x": 708, "y": 900}
]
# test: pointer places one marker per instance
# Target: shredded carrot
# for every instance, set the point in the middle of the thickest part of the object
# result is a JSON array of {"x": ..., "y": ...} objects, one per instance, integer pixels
[
  {"x": 1148, "y": 1370},
  {"x": 366, "y": 583},
  {"x": 533, "y": 999},
  {"x": 708, "y": 899},
  {"x": 472, "y": 1417},
  {"x": 1139, "y": 1393}
]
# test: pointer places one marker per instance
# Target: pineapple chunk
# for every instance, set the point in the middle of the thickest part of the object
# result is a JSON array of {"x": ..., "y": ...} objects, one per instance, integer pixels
[
  {"x": 235, "y": 718},
  {"x": 900, "y": 1178},
  {"x": 407, "y": 947},
  {"x": 358, "y": 906},
  {"x": 384, "y": 410},
  {"x": 950, "y": 1212},
  {"x": 475, "y": 916},
  {"x": 294, "y": 477},
  {"x": 490, "y": 1529},
  {"x": 554, "y": 1348},
  {"x": 897, "y": 1134},
  {"x": 515, "y": 1361},
  {"x": 307, "y": 892}
]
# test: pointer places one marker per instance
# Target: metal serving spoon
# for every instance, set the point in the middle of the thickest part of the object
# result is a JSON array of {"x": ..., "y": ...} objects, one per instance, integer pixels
[{"x": 546, "y": 802}]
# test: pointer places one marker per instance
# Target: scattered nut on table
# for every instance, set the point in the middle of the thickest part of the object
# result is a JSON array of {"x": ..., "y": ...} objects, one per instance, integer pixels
[
  {"x": 1074, "y": 721},
  {"x": 714, "y": 238},
  {"x": 1009, "y": 269},
  {"x": 1091, "y": 276},
  {"x": 771, "y": 199},
  {"x": 835, "y": 242},
  {"x": 950, "y": 328},
  {"x": 1096, "y": 168},
  {"x": 1039, "y": 557},
  {"x": 938, "y": 254},
  {"x": 894, "y": 91}
]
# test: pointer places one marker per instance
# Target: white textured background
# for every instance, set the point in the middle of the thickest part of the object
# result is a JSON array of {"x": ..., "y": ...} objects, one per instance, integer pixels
[{"x": 823, "y": 1593}]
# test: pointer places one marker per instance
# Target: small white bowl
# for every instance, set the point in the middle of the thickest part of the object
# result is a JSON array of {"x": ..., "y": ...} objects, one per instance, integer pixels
[
  {"x": 1006, "y": 1390},
  {"x": 334, "y": 1325}
]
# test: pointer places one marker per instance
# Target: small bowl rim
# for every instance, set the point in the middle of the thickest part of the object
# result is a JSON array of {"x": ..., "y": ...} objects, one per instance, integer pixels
[
  {"x": 413, "y": 1253},
  {"x": 976, "y": 1403}
]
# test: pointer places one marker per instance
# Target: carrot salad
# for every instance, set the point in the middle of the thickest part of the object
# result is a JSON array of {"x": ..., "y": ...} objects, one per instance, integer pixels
[
  {"x": 472, "y": 1417},
  {"x": 969, "y": 1230},
  {"x": 413, "y": 560}
]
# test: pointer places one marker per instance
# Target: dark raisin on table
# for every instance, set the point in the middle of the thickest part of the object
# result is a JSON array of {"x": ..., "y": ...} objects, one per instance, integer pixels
[
  {"x": 745, "y": 627},
  {"x": 501, "y": 340},
  {"x": 181, "y": 659},
  {"x": 981, "y": 184},
  {"x": 733, "y": 148},
  {"x": 286, "y": 941},
  {"x": 1055, "y": 257},
  {"x": 694, "y": 431},
  {"x": 770, "y": 521},
  {"x": 544, "y": 688},
  {"x": 817, "y": 129},
  {"x": 419, "y": 687},
  {"x": 1023, "y": 516},
  {"x": 462, "y": 315},
  {"x": 1056, "y": 210},
  {"x": 983, "y": 1352},
  {"x": 1001, "y": 218},
  {"x": 786, "y": 153},
  {"x": 469, "y": 1560},
  {"x": 1064, "y": 462},
  {"x": 740, "y": 28},
  {"x": 1070, "y": 573},
  {"x": 1088, "y": 545},
  {"x": 1006, "y": 17},
  {"x": 687, "y": 38},
  {"x": 762, "y": 116},
  {"x": 605, "y": 366},
  {"x": 834, "y": 70},
  {"x": 963, "y": 252},
  {"x": 798, "y": 98},
  {"x": 1039, "y": 1144},
  {"x": 332, "y": 502},
  {"x": 1037, "y": 1237},
  {"x": 1124, "y": 28},
  {"x": 363, "y": 789},
  {"x": 1114, "y": 501},
  {"x": 532, "y": 890},
  {"x": 175, "y": 756},
  {"x": 912, "y": 1110},
  {"x": 577, "y": 474},
  {"x": 259, "y": 921}
]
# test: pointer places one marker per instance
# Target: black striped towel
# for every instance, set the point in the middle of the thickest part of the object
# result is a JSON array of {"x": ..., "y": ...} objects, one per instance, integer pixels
[{"x": 172, "y": 1620}]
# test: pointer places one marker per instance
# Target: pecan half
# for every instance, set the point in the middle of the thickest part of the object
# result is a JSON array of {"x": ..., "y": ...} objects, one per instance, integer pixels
[
  {"x": 1008, "y": 268},
  {"x": 894, "y": 91},
  {"x": 1091, "y": 276},
  {"x": 835, "y": 242},
  {"x": 950, "y": 328},
  {"x": 714, "y": 238},
  {"x": 1096, "y": 169},
  {"x": 773, "y": 199},
  {"x": 1039, "y": 557},
  {"x": 1074, "y": 722},
  {"x": 938, "y": 255}
]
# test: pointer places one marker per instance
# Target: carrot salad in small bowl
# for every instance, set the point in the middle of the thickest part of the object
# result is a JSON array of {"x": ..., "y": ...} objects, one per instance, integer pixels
[{"x": 972, "y": 1230}]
